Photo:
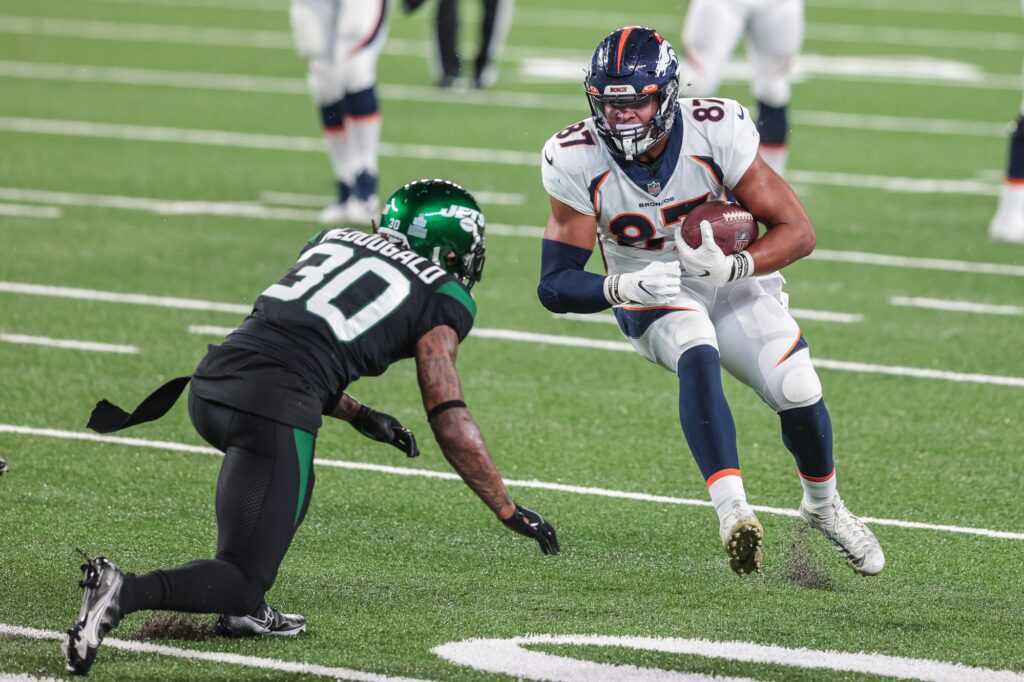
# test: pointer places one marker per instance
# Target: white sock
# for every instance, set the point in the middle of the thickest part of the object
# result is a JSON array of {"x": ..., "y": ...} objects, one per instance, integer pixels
[
  {"x": 339, "y": 149},
  {"x": 364, "y": 133},
  {"x": 775, "y": 156},
  {"x": 1011, "y": 198},
  {"x": 819, "y": 492},
  {"x": 726, "y": 492}
]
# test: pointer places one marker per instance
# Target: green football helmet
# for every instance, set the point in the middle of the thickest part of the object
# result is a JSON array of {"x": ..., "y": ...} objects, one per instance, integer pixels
[{"x": 440, "y": 221}]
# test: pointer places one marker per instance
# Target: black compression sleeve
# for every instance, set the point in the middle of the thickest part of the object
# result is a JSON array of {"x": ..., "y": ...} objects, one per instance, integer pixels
[{"x": 564, "y": 285}]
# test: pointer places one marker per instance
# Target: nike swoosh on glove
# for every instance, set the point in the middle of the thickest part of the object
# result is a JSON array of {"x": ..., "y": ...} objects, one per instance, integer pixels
[
  {"x": 656, "y": 284},
  {"x": 708, "y": 261}
]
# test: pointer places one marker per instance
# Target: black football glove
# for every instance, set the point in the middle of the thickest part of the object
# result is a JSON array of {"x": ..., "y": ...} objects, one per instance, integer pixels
[
  {"x": 385, "y": 429},
  {"x": 531, "y": 524}
]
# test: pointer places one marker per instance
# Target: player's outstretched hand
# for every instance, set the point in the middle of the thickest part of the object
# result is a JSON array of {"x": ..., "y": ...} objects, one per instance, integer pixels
[
  {"x": 385, "y": 429},
  {"x": 531, "y": 524},
  {"x": 708, "y": 261},
  {"x": 656, "y": 284}
]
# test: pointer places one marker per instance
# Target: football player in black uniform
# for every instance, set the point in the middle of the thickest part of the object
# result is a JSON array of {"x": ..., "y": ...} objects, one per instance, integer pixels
[{"x": 352, "y": 304}]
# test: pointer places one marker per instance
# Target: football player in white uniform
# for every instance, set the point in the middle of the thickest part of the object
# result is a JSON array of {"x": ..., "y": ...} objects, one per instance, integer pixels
[
  {"x": 774, "y": 33},
  {"x": 341, "y": 41},
  {"x": 627, "y": 176},
  {"x": 1007, "y": 225}
]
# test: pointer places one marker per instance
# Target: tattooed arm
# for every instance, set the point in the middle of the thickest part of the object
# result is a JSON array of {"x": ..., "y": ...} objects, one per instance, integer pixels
[{"x": 454, "y": 428}]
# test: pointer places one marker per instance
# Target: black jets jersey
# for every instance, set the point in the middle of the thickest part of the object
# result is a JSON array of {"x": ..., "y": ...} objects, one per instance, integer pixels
[{"x": 352, "y": 304}]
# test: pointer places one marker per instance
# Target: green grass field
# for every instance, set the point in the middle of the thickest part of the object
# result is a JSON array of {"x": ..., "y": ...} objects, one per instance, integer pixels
[{"x": 107, "y": 185}]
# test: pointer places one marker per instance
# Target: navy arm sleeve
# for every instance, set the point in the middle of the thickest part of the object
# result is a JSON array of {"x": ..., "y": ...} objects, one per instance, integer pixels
[{"x": 564, "y": 285}]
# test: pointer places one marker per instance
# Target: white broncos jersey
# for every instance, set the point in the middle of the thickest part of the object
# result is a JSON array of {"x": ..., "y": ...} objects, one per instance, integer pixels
[{"x": 638, "y": 206}]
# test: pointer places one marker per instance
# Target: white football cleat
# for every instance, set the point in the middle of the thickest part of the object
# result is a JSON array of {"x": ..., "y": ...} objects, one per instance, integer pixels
[
  {"x": 1007, "y": 227},
  {"x": 361, "y": 212},
  {"x": 852, "y": 539},
  {"x": 742, "y": 534},
  {"x": 334, "y": 215}
]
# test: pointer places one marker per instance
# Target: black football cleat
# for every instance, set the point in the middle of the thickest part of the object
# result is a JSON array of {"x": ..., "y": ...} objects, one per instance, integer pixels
[
  {"x": 265, "y": 621},
  {"x": 100, "y": 613}
]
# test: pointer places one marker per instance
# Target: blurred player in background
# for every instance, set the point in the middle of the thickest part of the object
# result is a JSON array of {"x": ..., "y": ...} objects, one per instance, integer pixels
[
  {"x": 1008, "y": 223},
  {"x": 493, "y": 30},
  {"x": 627, "y": 176},
  {"x": 774, "y": 33},
  {"x": 341, "y": 41},
  {"x": 353, "y": 304}
]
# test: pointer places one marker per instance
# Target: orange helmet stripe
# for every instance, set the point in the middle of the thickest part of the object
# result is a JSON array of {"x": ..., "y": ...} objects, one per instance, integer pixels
[{"x": 622, "y": 44}]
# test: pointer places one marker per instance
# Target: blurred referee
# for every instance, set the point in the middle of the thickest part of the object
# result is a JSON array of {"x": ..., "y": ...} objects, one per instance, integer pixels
[{"x": 493, "y": 31}]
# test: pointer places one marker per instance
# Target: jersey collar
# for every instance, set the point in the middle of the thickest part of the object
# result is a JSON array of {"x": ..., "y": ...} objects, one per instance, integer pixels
[{"x": 654, "y": 176}]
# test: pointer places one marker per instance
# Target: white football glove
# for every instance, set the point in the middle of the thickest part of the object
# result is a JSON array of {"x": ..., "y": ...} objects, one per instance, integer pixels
[
  {"x": 707, "y": 260},
  {"x": 656, "y": 284}
]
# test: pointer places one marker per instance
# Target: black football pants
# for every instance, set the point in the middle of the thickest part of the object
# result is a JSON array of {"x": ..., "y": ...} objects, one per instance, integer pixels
[{"x": 263, "y": 492}]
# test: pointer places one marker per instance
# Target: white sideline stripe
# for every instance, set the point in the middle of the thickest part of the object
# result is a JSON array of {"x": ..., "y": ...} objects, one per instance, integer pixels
[
  {"x": 224, "y": 138},
  {"x": 799, "y": 313},
  {"x": 416, "y": 93},
  {"x": 512, "y": 657},
  {"x": 20, "y": 211},
  {"x": 251, "y": 141},
  {"x": 451, "y": 476},
  {"x": 321, "y": 200},
  {"x": 113, "y": 297},
  {"x": 919, "y": 263},
  {"x": 214, "y": 656},
  {"x": 69, "y": 344},
  {"x": 956, "y": 306}
]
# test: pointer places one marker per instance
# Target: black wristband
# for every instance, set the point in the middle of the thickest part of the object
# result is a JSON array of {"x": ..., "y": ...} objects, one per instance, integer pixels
[{"x": 441, "y": 407}]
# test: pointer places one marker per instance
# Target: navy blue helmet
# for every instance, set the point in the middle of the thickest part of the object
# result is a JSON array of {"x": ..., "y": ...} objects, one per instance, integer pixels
[{"x": 629, "y": 67}]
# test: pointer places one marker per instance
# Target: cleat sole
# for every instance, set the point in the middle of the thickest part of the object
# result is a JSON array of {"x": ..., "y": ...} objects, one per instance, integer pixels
[{"x": 744, "y": 547}]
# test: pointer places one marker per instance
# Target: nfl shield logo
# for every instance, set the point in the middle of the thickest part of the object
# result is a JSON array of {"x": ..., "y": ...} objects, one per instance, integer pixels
[{"x": 653, "y": 187}]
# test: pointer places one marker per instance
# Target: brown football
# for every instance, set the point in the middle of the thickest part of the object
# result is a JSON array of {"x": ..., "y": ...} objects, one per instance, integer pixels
[{"x": 734, "y": 226}]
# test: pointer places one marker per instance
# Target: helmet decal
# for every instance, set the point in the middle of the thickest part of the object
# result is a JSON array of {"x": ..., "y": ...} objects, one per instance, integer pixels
[{"x": 440, "y": 221}]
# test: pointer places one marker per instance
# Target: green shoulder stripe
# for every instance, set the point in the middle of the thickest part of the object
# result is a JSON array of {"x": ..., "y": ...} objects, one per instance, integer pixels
[{"x": 459, "y": 293}]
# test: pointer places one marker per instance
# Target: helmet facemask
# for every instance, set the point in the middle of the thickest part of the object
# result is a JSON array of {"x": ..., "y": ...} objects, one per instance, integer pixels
[{"x": 631, "y": 141}]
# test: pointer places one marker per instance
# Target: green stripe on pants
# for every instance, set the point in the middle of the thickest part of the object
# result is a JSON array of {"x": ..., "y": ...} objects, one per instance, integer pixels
[{"x": 304, "y": 442}]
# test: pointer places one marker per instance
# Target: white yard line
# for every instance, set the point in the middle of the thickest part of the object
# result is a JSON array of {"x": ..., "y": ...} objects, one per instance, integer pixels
[
  {"x": 69, "y": 344},
  {"x": 625, "y": 346},
  {"x": 222, "y": 657},
  {"x": 940, "y": 264},
  {"x": 483, "y": 197},
  {"x": 115, "y": 297},
  {"x": 252, "y": 141},
  {"x": 956, "y": 306},
  {"x": 225, "y": 138},
  {"x": 452, "y": 476},
  {"x": 297, "y": 86},
  {"x": 175, "y": 207},
  {"x": 821, "y": 65},
  {"x": 799, "y": 313},
  {"x": 20, "y": 211}
]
